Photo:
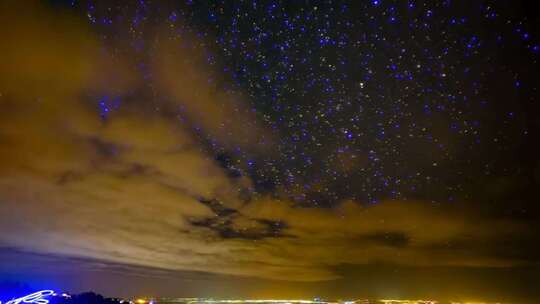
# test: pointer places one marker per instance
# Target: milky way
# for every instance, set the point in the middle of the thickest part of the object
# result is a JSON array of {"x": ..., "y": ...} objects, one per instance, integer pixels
[{"x": 368, "y": 101}]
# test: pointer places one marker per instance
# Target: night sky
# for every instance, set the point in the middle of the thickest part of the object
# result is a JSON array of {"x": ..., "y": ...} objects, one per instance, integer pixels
[{"x": 260, "y": 148}]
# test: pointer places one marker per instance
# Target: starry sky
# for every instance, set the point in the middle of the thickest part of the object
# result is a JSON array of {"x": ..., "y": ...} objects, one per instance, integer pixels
[{"x": 276, "y": 148}]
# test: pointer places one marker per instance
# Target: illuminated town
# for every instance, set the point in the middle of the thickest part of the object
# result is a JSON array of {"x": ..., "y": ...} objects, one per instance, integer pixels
[
  {"x": 50, "y": 296},
  {"x": 295, "y": 301}
]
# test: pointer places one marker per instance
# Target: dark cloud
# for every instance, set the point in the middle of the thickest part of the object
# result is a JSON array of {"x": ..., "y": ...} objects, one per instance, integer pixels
[{"x": 391, "y": 239}]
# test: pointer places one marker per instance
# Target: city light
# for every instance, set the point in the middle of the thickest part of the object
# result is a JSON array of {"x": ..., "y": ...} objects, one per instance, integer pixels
[
  {"x": 300, "y": 301},
  {"x": 258, "y": 301},
  {"x": 271, "y": 301}
]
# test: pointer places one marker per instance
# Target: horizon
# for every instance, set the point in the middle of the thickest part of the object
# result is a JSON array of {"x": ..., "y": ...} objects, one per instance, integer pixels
[{"x": 47, "y": 296}]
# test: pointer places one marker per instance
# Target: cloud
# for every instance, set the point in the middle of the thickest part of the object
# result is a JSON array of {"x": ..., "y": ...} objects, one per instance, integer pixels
[
  {"x": 138, "y": 187},
  {"x": 395, "y": 232},
  {"x": 75, "y": 184},
  {"x": 181, "y": 70}
]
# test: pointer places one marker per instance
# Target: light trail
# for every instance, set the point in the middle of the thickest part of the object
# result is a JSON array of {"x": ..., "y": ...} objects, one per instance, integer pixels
[{"x": 34, "y": 298}]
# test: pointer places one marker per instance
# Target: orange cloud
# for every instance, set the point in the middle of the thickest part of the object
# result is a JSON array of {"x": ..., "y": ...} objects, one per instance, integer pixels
[{"x": 181, "y": 72}]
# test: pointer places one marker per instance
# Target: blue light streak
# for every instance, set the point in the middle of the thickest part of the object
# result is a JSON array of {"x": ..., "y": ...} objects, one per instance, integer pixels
[{"x": 35, "y": 298}]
